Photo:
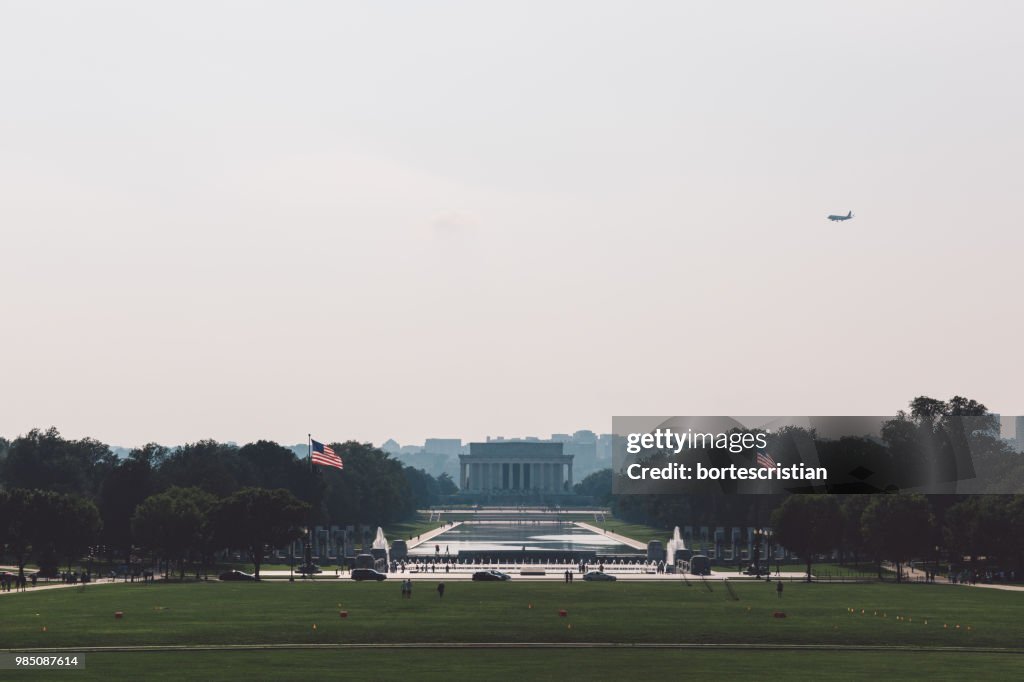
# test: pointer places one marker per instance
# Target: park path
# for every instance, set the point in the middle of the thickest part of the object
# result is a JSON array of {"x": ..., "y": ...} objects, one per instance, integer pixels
[
  {"x": 920, "y": 575},
  {"x": 635, "y": 544},
  {"x": 58, "y": 586},
  {"x": 739, "y": 646}
]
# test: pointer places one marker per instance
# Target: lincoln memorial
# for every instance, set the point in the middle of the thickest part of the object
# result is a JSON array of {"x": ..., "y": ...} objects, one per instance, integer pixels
[{"x": 516, "y": 468}]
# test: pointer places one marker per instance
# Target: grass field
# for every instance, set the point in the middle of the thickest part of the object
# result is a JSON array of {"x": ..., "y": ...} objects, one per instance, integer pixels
[
  {"x": 410, "y": 529},
  {"x": 636, "y": 531},
  {"x": 668, "y": 612},
  {"x": 243, "y": 613},
  {"x": 559, "y": 664}
]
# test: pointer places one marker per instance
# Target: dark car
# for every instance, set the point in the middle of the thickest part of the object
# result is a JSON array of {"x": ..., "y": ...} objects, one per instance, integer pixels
[
  {"x": 367, "y": 574},
  {"x": 491, "y": 576},
  {"x": 599, "y": 576},
  {"x": 237, "y": 575}
]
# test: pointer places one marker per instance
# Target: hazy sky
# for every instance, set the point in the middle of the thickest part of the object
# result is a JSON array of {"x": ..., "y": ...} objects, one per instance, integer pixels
[{"x": 240, "y": 220}]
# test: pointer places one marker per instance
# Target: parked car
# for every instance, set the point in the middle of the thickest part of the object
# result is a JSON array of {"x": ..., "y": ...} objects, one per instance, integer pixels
[
  {"x": 237, "y": 575},
  {"x": 491, "y": 576},
  {"x": 367, "y": 574},
  {"x": 599, "y": 576}
]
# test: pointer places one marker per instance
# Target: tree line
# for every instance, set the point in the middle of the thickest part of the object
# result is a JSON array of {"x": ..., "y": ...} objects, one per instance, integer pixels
[
  {"x": 959, "y": 529},
  {"x": 59, "y": 496}
]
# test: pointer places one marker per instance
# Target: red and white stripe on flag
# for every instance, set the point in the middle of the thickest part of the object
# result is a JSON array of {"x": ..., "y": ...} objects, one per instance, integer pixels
[{"x": 324, "y": 456}]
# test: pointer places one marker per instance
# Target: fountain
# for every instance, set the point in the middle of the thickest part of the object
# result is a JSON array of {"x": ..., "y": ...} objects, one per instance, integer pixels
[
  {"x": 676, "y": 543},
  {"x": 380, "y": 547}
]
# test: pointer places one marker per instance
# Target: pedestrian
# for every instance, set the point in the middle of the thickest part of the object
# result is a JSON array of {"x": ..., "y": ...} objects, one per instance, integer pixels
[
  {"x": 567, "y": 574},
  {"x": 440, "y": 590},
  {"x": 409, "y": 588},
  {"x": 778, "y": 588},
  {"x": 405, "y": 585}
]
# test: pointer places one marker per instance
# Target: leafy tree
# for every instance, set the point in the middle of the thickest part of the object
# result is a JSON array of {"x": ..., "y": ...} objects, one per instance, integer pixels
[
  {"x": 174, "y": 524},
  {"x": 372, "y": 489},
  {"x": 215, "y": 467},
  {"x": 422, "y": 487},
  {"x": 852, "y": 510},
  {"x": 808, "y": 525},
  {"x": 129, "y": 482},
  {"x": 43, "y": 460},
  {"x": 937, "y": 442},
  {"x": 74, "y": 527},
  {"x": 253, "y": 519},
  {"x": 989, "y": 525},
  {"x": 445, "y": 485},
  {"x": 269, "y": 465},
  {"x": 17, "y": 529},
  {"x": 898, "y": 528},
  {"x": 46, "y": 525},
  {"x": 597, "y": 485}
]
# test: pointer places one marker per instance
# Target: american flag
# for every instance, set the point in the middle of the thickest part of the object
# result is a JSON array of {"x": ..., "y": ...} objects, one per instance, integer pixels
[
  {"x": 324, "y": 454},
  {"x": 765, "y": 460}
]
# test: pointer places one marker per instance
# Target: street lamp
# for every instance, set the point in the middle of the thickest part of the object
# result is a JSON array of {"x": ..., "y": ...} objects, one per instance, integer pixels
[
  {"x": 758, "y": 534},
  {"x": 769, "y": 536},
  {"x": 307, "y": 553}
]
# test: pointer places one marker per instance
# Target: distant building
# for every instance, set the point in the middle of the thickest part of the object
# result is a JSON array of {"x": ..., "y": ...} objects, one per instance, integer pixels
[
  {"x": 443, "y": 446},
  {"x": 1019, "y": 427},
  {"x": 522, "y": 468}
]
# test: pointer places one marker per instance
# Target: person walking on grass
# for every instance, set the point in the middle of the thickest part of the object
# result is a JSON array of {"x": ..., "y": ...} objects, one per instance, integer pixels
[
  {"x": 778, "y": 588},
  {"x": 440, "y": 590}
]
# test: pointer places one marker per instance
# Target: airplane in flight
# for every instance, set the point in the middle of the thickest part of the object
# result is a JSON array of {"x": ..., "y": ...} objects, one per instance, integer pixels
[{"x": 840, "y": 218}]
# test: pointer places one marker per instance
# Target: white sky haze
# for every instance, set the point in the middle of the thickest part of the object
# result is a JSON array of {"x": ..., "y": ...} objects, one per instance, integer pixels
[{"x": 243, "y": 220}]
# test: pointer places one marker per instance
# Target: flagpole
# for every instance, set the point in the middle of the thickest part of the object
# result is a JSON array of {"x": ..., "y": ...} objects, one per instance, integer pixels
[{"x": 309, "y": 450}]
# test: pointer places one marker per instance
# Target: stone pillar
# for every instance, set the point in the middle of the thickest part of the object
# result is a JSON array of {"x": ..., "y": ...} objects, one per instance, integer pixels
[
  {"x": 462, "y": 475},
  {"x": 570, "y": 475}
]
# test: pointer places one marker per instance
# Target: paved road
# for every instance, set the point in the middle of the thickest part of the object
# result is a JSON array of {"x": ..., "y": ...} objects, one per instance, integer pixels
[{"x": 739, "y": 646}]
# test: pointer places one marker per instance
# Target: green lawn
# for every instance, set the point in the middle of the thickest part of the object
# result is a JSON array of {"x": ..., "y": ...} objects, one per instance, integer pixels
[
  {"x": 282, "y": 612},
  {"x": 636, "y": 531},
  {"x": 533, "y": 664},
  {"x": 410, "y": 529}
]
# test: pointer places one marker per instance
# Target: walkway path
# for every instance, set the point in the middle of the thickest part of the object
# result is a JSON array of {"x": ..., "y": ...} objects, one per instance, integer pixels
[
  {"x": 740, "y": 646},
  {"x": 431, "y": 534},
  {"x": 919, "y": 575},
  {"x": 57, "y": 586}
]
